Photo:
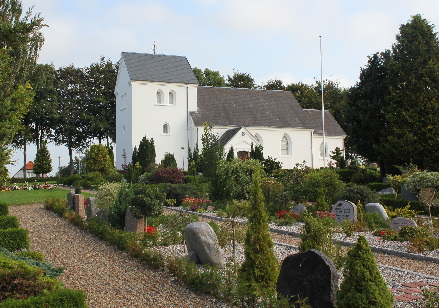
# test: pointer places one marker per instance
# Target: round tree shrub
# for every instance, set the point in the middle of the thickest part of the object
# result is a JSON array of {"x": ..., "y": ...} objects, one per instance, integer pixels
[
  {"x": 357, "y": 193},
  {"x": 363, "y": 286},
  {"x": 323, "y": 183},
  {"x": 98, "y": 159}
]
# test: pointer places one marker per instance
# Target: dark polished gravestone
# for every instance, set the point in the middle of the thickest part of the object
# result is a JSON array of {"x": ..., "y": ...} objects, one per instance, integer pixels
[
  {"x": 310, "y": 274},
  {"x": 71, "y": 200},
  {"x": 345, "y": 210}
]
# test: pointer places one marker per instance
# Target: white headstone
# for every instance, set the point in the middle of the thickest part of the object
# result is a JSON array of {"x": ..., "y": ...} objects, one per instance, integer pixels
[
  {"x": 345, "y": 210},
  {"x": 399, "y": 222},
  {"x": 376, "y": 208}
]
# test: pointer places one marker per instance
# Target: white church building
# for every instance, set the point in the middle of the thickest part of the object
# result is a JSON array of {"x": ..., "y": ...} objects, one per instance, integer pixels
[{"x": 158, "y": 96}]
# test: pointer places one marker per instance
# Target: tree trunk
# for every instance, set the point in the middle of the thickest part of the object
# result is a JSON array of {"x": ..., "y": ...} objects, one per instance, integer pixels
[
  {"x": 24, "y": 157},
  {"x": 71, "y": 160}
]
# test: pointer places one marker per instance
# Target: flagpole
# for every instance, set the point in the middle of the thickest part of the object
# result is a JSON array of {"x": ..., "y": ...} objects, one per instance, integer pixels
[{"x": 323, "y": 104}]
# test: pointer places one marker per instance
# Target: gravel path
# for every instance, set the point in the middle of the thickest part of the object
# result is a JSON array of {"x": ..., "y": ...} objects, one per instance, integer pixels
[{"x": 111, "y": 278}]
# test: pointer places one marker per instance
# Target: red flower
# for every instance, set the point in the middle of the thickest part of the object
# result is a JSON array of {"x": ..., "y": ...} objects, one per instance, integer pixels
[{"x": 150, "y": 229}]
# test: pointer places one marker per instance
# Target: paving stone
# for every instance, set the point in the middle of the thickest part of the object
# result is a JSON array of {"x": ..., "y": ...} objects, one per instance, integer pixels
[
  {"x": 409, "y": 290},
  {"x": 414, "y": 284}
]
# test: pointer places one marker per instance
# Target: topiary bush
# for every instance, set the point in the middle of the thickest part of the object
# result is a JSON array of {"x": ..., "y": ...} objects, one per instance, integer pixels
[
  {"x": 323, "y": 183},
  {"x": 365, "y": 176},
  {"x": 64, "y": 298},
  {"x": 355, "y": 193},
  {"x": 14, "y": 239},
  {"x": 4, "y": 209},
  {"x": 363, "y": 286},
  {"x": 168, "y": 175},
  {"x": 8, "y": 222}
]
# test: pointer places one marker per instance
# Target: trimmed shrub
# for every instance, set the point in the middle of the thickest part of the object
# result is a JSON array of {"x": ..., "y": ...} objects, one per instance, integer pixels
[
  {"x": 323, "y": 183},
  {"x": 168, "y": 175},
  {"x": 14, "y": 239},
  {"x": 357, "y": 193},
  {"x": 414, "y": 205},
  {"x": 363, "y": 286},
  {"x": 71, "y": 180},
  {"x": 345, "y": 174},
  {"x": 422, "y": 180},
  {"x": 19, "y": 280},
  {"x": 116, "y": 213},
  {"x": 93, "y": 179},
  {"x": 8, "y": 222},
  {"x": 57, "y": 205},
  {"x": 180, "y": 191},
  {"x": 365, "y": 176},
  {"x": 64, "y": 298},
  {"x": 4, "y": 210},
  {"x": 107, "y": 195}
]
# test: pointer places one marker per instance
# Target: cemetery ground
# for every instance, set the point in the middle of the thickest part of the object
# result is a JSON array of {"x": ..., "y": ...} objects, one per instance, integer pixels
[{"x": 112, "y": 278}]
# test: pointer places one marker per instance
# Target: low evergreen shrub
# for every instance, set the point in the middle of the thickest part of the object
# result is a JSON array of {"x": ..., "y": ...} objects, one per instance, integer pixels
[
  {"x": 365, "y": 176},
  {"x": 378, "y": 186},
  {"x": 14, "y": 239},
  {"x": 71, "y": 180},
  {"x": 57, "y": 205},
  {"x": 374, "y": 221},
  {"x": 8, "y": 222},
  {"x": 414, "y": 205},
  {"x": 4, "y": 210},
  {"x": 62, "y": 298},
  {"x": 345, "y": 174},
  {"x": 323, "y": 184},
  {"x": 180, "y": 191}
]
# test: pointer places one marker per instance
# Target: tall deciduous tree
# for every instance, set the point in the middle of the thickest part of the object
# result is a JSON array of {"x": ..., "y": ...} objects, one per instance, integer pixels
[
  {"x": 364, "y": 117},
  {"x": 241, "y": 80},
  {"x": 20, "y": 42},
  {"x": 412, "y": 132},
  {"x": 306, "y": 95},
  {"x": 209, "y": 78},
  {"x": 99, "y": 83},
  {"x": 72, "y": 127},
  {"x": 43, "y": 162},
  {"x": 274, "y": 84},
  {"x": 98, "y": 159}
]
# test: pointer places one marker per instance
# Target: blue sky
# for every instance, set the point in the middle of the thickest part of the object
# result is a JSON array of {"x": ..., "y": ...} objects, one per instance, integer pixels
[{"x": 277, "y": 39}]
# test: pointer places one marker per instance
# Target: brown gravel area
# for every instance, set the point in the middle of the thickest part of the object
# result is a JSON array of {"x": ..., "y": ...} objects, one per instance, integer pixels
[{"x": 111, "y": 278}]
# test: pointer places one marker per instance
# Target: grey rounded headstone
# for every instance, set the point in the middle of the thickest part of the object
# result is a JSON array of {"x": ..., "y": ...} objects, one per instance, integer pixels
[
  {"x": 399, "y": 222},
  {"x": 71, "y": 200},
  {"x": 310, "y": 274},
  {"x": 376, "y": 208},
  {"x": 298, "y": 209},
  {"x": 201, "y": 239},
  {"x": 345, "y": 210}
]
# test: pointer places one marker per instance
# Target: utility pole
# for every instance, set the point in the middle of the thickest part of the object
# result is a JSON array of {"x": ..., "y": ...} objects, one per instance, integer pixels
[{"x": 323, "y": 104}]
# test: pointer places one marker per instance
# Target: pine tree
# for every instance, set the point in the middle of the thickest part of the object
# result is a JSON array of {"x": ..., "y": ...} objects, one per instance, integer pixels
[
  {"x": 259, "y": 272},
  {"x": 42, "y": 163},
  {"x": 230, "y": 154},
  {"x": 363, "y": 285}
]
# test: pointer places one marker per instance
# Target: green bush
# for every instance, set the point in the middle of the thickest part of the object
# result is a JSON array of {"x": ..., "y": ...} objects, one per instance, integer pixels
[
  {"x": 116, "y": 212},
  {"x": 345, "y": 174},
  {"x": 374, "y": 221},
  {"x": 107, "y": 195},
  {"x": 71, "y": 180},
  {"x": 365, "y": 176},
  {"x": 8, "y": 222},
  {"x": 422, "y": 180},
  {"x": 414, "y": 205},
  {"x": 355, "y": 193},
  {"x": 57, "y": 205},
  {"x": 93, "y": 179},
  {"x": 411, "y": 232},
  {"x": 19, "y": 280},
  {"x": 293, "y": 181},
  {"x": 378, "y": 186},
  {"x": 4, "y": 210},
  {"x": 62, "y": 298},
  {"x": 14, "y": 239},
  {"x": 323, "y": 183},
  {"x": 363, "y": 286},
  {"x": 180, "y": 191},
  {"x": 168, "y": 175}
]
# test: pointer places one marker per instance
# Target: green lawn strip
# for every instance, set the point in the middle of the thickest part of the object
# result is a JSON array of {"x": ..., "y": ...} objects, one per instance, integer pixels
[{"x": 18, "y": 197}]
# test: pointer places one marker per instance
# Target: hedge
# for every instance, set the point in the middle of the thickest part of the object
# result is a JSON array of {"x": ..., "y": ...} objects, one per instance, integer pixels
[
  {"x": 63, "y": 298},
  {"x": 378, "y": 186},
  {"x": 14, "y": 239},
  {"x": 345, "y": 174},
  {"x": 414, "y": 205},
  {"x": 8, "y": 222},
  {"x": 4, "y": 210}
]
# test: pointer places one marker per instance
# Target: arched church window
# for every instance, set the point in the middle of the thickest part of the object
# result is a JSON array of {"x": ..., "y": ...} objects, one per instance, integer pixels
[
  {"x": 159, "y": 97},
  {"x": 166, "y": 129},
  {"x": 285, "y": 146},
  {"x": 171, "y": 97}
]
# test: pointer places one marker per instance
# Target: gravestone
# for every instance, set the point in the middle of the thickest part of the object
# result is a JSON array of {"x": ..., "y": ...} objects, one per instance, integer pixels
[
  {"x": 399, "y": 222},
  {"x": 407, "y": 194},
  {"x": 298, "y": 209},
  {"x": 71, "y": 200},
  {"x": 310, "y": 274},
  {"x": 79, "y": 205},
  {"x": 385, "y": 191},
  {"x": 102, "y": 214},
  {"x": 202, "y": 240},
  {"x": 133, "y": 224},
  {"x": 376, "y": 208},
  {"x": 90, "y": 207},
  {"x": 345, "y": 210}
]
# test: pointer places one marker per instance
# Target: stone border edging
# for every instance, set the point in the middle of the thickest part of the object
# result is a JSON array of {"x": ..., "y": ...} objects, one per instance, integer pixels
[{"x": 343, "y": 243}]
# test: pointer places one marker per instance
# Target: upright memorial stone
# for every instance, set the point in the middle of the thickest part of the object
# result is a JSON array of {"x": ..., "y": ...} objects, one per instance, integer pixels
[
  {"x": 79, "y": 205},
  {"x": 133, "y": 224},
  {"x": 376, "y": 208},
  {"x": 310, "y": 274},
  {"x": 399, "y": 222},
  {"x": 71, "y": 200},
  {"x": 345, "y": 210},
  {"x": 298, "y": 209},
  {"x": 90, "y": 207}
]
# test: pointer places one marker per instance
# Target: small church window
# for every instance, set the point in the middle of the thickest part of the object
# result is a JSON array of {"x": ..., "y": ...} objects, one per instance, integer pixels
[
  {"x": 159, "y": 97},
  {"x": 166, "y": 129},
  {"x": 284, "y": 146},
  {"x": 326, "y": 150},
  {"x": 172, "y": 98}
]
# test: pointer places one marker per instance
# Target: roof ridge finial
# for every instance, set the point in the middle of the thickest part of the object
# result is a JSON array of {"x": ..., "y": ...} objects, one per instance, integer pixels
[{"x": 154, "y": 47}]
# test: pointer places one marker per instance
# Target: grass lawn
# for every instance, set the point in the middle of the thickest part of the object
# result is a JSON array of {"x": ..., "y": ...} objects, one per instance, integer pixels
[{"x": 17, "y": 197}]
